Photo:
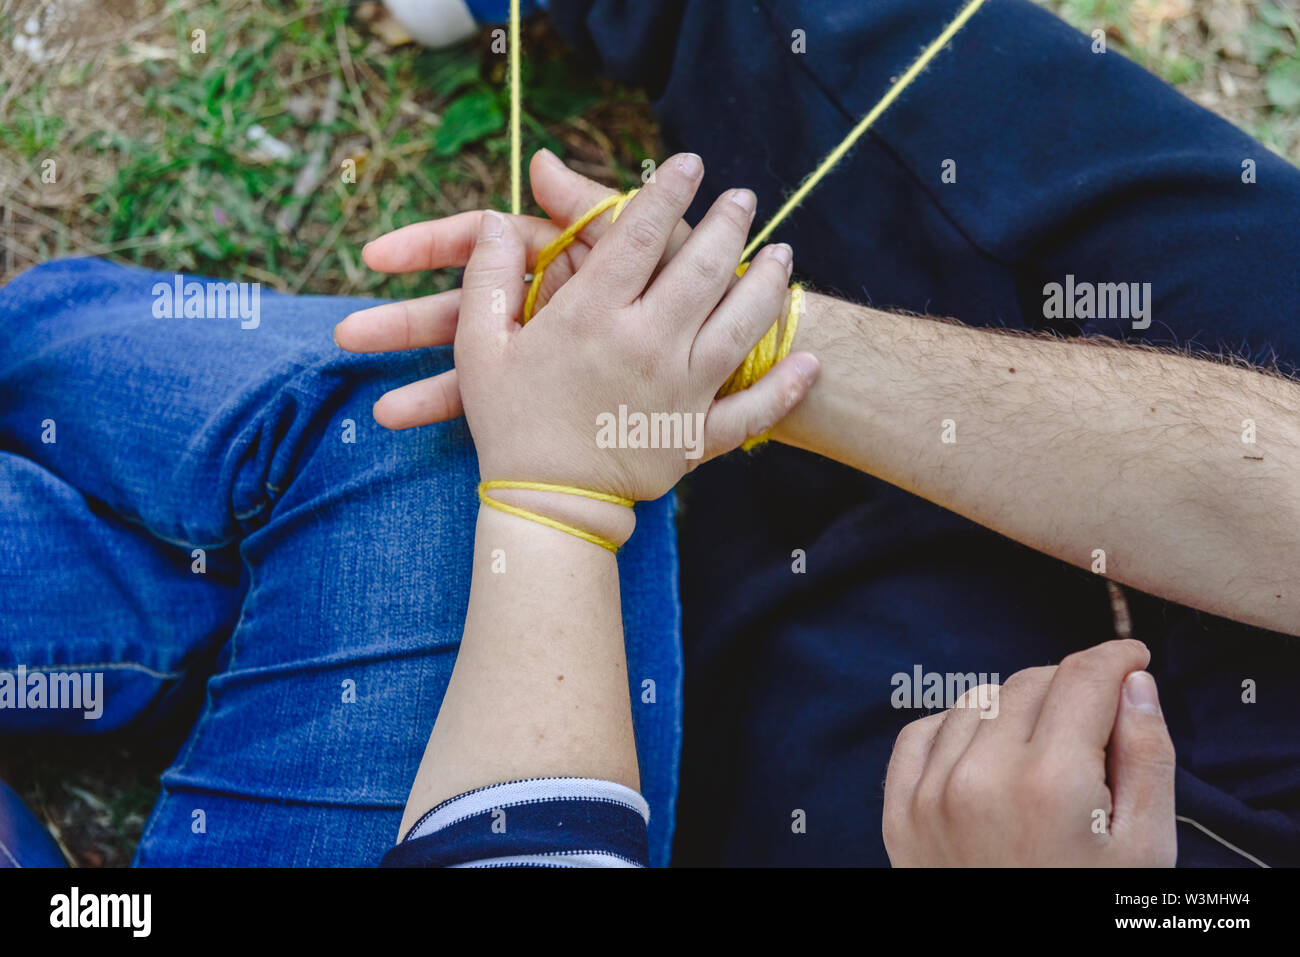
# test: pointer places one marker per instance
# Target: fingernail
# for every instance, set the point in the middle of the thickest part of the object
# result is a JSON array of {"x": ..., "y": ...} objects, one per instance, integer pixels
[
  {"x": 806, "y": 364},
  {"x": 690, "y": 164},
  {"x": 784, "y": 255},
  {"x": 547, "y": 154},
  {"x": 744, "y": 199},
  {"x": 1140, "y": 692},
  {"x": 491, "y": 225},
  {"x": 335, "y": 333}
]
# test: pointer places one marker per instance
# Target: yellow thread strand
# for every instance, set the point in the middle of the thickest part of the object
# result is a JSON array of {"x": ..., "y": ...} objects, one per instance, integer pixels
[
  {"x": 566, "y": 489},
  {"x": 837, "y": 154},
  {"x": 516, "y": 149},
  {"x": 561, "y": 242},
  {"x": 488, "y": 500}
]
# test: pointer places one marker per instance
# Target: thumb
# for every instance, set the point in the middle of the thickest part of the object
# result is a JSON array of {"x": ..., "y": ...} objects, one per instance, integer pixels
[
  {"x": 1140, "y": 768},
  {"x": 751, "y": 412},
  {"x": 564, "y": 194},
  {"x": 492, "y": 288}
]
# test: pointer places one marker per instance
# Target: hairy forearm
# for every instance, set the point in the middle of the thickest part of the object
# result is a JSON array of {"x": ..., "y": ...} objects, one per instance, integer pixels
[
  {"x": 540, "y": 683},
  {"x": 1075, "y": 447}
]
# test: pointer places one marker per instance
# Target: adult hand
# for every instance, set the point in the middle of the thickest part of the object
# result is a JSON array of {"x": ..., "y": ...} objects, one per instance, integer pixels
[
  {"x": 1075, "y": 767},
  {"x": 446, "y": 243}
]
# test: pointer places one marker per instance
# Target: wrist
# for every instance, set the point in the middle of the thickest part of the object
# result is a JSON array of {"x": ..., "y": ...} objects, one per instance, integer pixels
[{"x": 607, "y": 521}]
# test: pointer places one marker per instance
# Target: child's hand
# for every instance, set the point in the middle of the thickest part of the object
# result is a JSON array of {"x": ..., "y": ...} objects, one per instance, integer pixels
[
  {"x": 618, "y": 334},
  {"x": 429, "y": 321}
]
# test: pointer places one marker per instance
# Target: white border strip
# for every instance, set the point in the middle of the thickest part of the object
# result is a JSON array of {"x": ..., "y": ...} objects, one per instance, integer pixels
[
  {"x": 530, "y": 792},
  {"x": 587, "y": 859}
]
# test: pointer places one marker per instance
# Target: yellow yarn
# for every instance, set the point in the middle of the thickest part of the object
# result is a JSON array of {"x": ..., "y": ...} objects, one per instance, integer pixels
[
  {"x": 769, "y": 350},
  {"x": 562, "y": 242},
  {"x": 488, "y": 500},
  {"x": 516, "y": 149},
  {"x": 837, "y": 154}
]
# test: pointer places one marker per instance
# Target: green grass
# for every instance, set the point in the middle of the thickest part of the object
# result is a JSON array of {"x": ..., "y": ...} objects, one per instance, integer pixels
[
  {"x": 176, "y": 180},
  {"x": 1237, "y": 57}
]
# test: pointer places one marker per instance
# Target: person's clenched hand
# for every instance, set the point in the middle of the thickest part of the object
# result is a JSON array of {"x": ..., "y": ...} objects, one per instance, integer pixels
[{"x": 1071, "y": 766}]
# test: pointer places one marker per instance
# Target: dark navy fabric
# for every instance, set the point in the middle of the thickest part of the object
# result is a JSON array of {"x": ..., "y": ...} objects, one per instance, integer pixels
[
  {"x": 1068, "y": 162},
  {"x": 548, "y": 828},
  {"x": 498, "y": 11}
]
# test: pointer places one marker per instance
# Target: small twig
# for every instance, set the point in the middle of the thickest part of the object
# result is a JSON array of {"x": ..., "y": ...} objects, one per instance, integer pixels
[
  {"x": 349, "y": 208},
  {"x": 350, "y": 72},
  {"x": 314, "y": 171}
]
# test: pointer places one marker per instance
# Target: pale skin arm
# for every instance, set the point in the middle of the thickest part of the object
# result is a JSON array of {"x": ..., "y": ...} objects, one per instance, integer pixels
[
  {"x": 540, "y": 683},
  {"x": 1070, "y": 445}
]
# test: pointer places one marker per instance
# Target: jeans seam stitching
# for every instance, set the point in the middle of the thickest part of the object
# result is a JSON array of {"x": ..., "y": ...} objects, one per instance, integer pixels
[{"x": 107, "y": 666}]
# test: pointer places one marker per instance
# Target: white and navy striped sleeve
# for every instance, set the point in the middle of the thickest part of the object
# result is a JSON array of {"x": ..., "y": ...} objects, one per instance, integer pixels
[{"x": 541, "y": 822}]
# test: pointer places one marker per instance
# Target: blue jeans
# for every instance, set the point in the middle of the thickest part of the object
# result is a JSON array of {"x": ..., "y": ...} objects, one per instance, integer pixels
[
  {"x": 1066, "y": 162},
  {"x": 219, "y": 517}
]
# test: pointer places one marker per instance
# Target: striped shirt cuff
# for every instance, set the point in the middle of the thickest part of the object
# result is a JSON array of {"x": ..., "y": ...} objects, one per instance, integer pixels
[{"x": 540, "y": 822}]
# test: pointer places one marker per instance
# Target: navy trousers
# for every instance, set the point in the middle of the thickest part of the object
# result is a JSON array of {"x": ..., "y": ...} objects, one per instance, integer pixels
[{"x": 1067, "y": 162}]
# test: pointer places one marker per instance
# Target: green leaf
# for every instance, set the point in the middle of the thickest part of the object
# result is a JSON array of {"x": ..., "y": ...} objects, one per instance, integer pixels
[
  {"x": 556, "y": 95},
  {"x": 1275, "y": 16},
  {"x": 1181, "y": 69},
  {"x": 1283, "y": 85},
  {"x": 467, "y": 120},
  {"x": 1261, "y": 42},
  {"x": 446, "y": 72}
]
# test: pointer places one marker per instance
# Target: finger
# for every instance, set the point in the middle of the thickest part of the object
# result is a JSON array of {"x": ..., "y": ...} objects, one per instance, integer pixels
[
  {"x": 908, "y": 760},
  {"x": 1140, "y": 770},
  {"x": 754, "y": 303},
  {"x": 626, "y": 256},
  {"x": 696, "y": 278},
  {"x": 751, "y": 412},
  {"x": 566, "y": 196},
  {"x": 1012, "y": 711},
  {"x": 1081, "y": 702},
  {"x": 492, "y": 289},
  {"x": 408, "y": 324},
  {"x": 447, "y": 243},
  {"x": 953, "y": 738},
  {"x": 906, "y": 766},
  {"x": 435, "y": 399}
]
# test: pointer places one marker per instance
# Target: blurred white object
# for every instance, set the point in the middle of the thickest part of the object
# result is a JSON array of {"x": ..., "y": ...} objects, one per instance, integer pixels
[
  {"x": 434, "y": 23},
  {"x": 266, "y": 146}
]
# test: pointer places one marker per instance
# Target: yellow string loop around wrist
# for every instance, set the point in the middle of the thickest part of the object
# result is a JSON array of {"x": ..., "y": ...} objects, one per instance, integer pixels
[{"x": 586, "y": 536}]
